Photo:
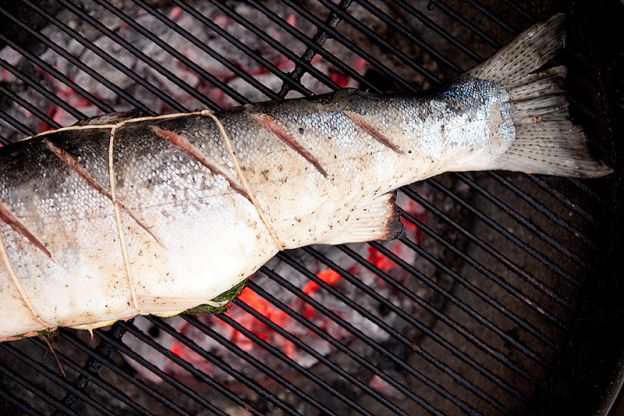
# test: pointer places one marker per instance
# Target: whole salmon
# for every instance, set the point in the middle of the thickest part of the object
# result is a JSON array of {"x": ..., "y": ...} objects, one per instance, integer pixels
[{"x": 119, "y": 216}]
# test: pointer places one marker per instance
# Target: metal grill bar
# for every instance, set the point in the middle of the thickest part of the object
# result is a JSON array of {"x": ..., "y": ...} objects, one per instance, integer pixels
[
  {"x": 449, "y": 297},
  {"x": 14, "y": 123},
  {"x": 319, "y": 40},
  {"x": 502, "y": 231},
  {"x": 37, "y": 87},
  {"x": 28, "y": 106},
  {"x": 87, "y": 377},
  {"x": 19, "y": 404},
  {"x": 300, "y": 37},
  {"x": 92, "y": 366},
  {"x": 47, "y": 398},
  {"x": 234, "y": 94},
  {"x": 435, "y": 27},
  {"x": 361, "y": 336},
  {"x": 477, "y": 5},
  {"x": 457, "y": 16},
  {"x": 239, "y": 376},
  {"x": 37, "y": 367},
  {"x": 512, "y": 290},
  {"x": 280, "y": 48},
  {"x": 495, "y": 403},
  {"x": 348, "y": 44},
  {"x": 119, "y": 66},
  {"x": 479, "y": 343},
  {"x": 583, "y": 187},
  {"x": 167, "y": 378},
  {"x": 490, "y": 301},
  {"x": 517, "y": 8},
  {"x": 391, "y": 406},
  {"x": 247, "y": 51},
  {"x": 250, "y": 335},
  {"x": 426, "y": 330},
  {"x": 259, "y": 365},
  {"x": 299, "y": 61},
  {"x": 404, "y": 31},
  {"x": 161, "y": 70},
  {"x": 103, "y": 361},
  {"x": 333, "y": 341},
  {"x": 528, "y": 277},
  {"x": 58, "y": 75},
  {"x": 159, "y": 15},
  {"x": 564, "y": 200},
  {"x": 27, "y": 131},
  {"x": 366, "y": 314},
  {"x": 541, "y": 208},
  {"x": 557, "y": 245},
  {"x": 120, "y": 92},
  {"x": 385, "y": 45},
  {"x": 431, "y": 334},
  {"x": 311, "y": 376}
]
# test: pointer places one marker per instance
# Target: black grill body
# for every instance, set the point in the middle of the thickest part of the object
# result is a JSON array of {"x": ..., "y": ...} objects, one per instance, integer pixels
[{"x": 503, "y": 297}]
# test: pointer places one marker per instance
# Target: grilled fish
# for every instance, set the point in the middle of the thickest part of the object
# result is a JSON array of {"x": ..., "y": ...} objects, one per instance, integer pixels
[{"x": 119, "y": 216}]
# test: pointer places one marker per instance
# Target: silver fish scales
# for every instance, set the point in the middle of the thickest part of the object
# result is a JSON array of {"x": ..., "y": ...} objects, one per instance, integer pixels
[{"x": 119, "y": 216}]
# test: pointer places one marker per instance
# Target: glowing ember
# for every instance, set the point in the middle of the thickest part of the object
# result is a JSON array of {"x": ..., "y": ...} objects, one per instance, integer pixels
[
  {"x": 417, "y": 211},
  {"x": 328, "y": 276},
  {"x": 379, "y": 260}
]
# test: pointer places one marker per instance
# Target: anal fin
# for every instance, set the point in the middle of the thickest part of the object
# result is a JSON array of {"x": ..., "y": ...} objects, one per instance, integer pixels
[
  {"x": 96, "y": 325},
  {"x": 378, "y": 219}
]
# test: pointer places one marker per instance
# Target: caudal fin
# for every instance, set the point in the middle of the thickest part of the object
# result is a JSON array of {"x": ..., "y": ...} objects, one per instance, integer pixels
[{"x": 546, "y": 142}]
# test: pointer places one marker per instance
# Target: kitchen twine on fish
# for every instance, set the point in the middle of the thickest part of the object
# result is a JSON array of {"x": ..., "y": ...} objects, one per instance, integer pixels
[
  {"x": 18, "y": 286},
  {"x": 116, "y": 204},
  {"x": 244, "y": 183},
  {"x": 116, "y": 208},
  {"x": 113, "y": 191}
]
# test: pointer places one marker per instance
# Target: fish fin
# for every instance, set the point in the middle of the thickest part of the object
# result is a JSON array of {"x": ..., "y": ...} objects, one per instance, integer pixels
[
  {"x": 166, "y": 306},
  {"x": 112, "y": 118},
  {"x": 168, "y": 314},
  {"x": 529, "y": 51},
  {"x": 546, "y": 141},
  {"x": 378, "y": 219},
  {"x": 96, "y": 325}
]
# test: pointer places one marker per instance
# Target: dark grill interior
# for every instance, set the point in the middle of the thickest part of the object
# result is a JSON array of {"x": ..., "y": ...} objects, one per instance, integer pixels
[{"x": 475, "y": 310}]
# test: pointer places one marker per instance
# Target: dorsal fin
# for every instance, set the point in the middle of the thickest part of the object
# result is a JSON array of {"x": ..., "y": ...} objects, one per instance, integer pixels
[
  {"x": 528, "y": 52},
  {"x": 111, "y": 118}
]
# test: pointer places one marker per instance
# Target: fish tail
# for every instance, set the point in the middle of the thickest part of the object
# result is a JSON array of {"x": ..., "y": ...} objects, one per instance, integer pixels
[{"x": 546, "y": 141}]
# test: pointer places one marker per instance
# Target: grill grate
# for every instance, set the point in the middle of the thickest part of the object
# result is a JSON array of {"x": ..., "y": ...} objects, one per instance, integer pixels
[{"x": 504, "y": 255}]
